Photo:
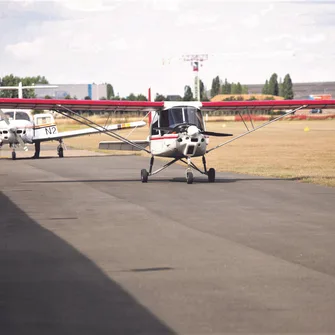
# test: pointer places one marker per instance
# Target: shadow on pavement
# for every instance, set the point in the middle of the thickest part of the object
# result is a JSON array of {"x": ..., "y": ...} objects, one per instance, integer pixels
[{"x": 48, "y": 287}]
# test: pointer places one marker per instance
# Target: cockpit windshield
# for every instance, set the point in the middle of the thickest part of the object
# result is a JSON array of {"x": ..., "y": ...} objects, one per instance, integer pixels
[
  {"x": 17, "y": 116},
  {"x": 22, "y": 116},
  {"x": 177, "y": 115}
]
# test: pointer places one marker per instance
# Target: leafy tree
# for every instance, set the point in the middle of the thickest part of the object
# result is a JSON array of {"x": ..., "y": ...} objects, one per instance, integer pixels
[
  {"x": 68, "y": 96},
  {"x": 245, "y": 89},
  {"x": 11, "y": 80},
  {"x": 203, "y": 95},
  {"x": 131, "y": 97},
  {"x": 188, "y": 95},
  {"x": 265, "y": 89},
  {"x": 273, "y": 85},
  {"x": 160, "y": 97},
  {"x": 141, "y": 97},
  {"x": 87, "y": 98},
  {"x": 47, "y": 97},
  {"x": 288, "y": 88},
  {"x": 216, "y": 86},
  {"x": 280, "y": 88},
  {"x": 110, "y": 92},
  {"x": 103, "y": 98},
  {"x": 226, "y": 87},
  {"x": 236, "y": 88}
]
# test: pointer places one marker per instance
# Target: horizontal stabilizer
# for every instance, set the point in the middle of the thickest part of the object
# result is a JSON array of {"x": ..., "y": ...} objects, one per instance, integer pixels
[{"x": 119, "y": 145}]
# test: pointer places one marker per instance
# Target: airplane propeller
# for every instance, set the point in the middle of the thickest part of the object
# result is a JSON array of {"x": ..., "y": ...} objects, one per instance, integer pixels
[
  {"x": 191, "y": 130},
  {"x": 13, "y": 130}
]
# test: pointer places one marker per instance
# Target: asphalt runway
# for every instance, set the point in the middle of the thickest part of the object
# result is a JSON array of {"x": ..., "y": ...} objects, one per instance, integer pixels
[{"x": 86, "y": 248}]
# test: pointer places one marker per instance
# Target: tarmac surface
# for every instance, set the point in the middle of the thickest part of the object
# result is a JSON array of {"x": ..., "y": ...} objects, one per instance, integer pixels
[{"x": 86, "y": 248}]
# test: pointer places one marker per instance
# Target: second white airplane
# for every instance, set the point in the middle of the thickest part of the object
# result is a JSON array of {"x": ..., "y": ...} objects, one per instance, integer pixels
[{"x": 20, "y": 127}]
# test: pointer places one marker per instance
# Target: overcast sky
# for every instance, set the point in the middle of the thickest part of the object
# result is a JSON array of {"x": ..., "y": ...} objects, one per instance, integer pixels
[{"x": 124, "y": 42}]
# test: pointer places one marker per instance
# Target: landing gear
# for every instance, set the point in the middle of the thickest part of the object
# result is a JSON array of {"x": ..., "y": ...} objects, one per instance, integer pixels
[
  {"x": 144, "y": 175},
  {"x": 189, "y": 173},
  {"x": 189, "y": 177},
  {"x": 13, "y": 154},
  {"x": 37, "y": 150},
  {"x": 60, "y": 149},
  {"x": 211, "y": 175}
]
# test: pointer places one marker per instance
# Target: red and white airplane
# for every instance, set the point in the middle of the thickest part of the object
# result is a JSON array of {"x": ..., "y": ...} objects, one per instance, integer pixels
[{"x": 177, "y": 129}]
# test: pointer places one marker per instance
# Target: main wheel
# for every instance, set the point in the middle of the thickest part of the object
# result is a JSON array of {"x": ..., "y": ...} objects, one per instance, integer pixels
[
  {"x": 189, "y": 177},
  {"x": 13, "y": 155},
  {"x": 211, "y": 175},
  {"x": 60, "y": 152},
  {"x": 144, "y": 175}
]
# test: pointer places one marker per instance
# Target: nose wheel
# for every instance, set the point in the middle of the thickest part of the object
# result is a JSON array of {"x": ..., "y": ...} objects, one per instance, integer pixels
[
  {"x": 144, "y": 175},
  {"x": 189, "y": 177},
  {"x": 211, "y": 175}
]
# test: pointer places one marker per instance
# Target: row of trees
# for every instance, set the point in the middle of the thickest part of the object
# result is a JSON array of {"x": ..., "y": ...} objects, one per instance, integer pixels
[
  {"x": 271, "y": 87},
  {"x": 218, "y": 87},
  {"x": 283, "y": 89}
]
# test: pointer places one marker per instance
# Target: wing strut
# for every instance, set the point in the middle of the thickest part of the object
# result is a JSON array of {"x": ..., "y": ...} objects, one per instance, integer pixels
[
  {"x": 254, "y": 129},
  {"x": 90, "y": 123}
]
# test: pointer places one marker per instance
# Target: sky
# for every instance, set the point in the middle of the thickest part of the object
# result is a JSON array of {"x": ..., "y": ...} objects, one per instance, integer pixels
[{"x": 137, "y": 44}]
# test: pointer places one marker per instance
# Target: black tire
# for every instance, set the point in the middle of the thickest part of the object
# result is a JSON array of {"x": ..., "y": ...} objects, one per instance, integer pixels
[
  {"x": 211, "y": 175},
  {"x": 189, "y": 177},
  {"x": 60, "y": 152},
  {"x": 144, "y": 175},
  {"x": 13, "y": 155}
]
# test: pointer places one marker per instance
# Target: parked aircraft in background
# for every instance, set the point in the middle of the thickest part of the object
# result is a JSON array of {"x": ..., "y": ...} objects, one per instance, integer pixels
[{"x": 19, "y": 127}]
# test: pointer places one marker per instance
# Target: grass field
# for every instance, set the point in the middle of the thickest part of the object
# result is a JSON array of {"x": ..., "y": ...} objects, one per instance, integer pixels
[{"x": 285, "y": 149}]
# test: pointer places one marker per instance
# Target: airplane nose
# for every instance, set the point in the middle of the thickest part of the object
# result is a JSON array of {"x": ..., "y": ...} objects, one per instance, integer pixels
[{"x": 192, "y": 130}]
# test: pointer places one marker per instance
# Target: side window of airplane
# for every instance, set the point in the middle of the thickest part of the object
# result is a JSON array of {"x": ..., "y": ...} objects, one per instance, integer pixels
[
  {"x": 154, "y": 131},
  {"x": 10, "y": 115},
  {"x": 22, "y": 116},
  {"x": 154, "y": 125}
]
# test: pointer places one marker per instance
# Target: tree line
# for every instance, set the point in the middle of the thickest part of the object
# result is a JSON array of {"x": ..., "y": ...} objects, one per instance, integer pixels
[{"x": 271, "y": 87}]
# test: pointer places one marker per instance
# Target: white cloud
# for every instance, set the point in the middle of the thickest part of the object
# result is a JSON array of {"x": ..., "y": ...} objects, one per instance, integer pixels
[{"x": 26, "y": 51}]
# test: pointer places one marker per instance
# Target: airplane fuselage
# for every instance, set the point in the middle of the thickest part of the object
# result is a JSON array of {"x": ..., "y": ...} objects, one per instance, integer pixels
[{"x": 178, "y": 145}]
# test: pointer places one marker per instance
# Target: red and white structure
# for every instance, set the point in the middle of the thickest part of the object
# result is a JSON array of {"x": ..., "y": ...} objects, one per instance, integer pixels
[{"x": 196, "y": 62}]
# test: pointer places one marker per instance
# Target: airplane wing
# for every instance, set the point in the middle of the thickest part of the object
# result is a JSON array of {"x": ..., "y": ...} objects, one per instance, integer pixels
[
  {"x": 266, "y": 105},
  {"x": 291, "y": 106},
  {"x": 69, "y": 107},
  {"x": 80, "y": 105},
  {"x": 88, "y": 131}
]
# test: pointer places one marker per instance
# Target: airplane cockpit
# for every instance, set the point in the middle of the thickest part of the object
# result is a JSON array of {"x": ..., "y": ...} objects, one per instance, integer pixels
[
  {"x": 170, "y": 118},
  {"x": 17, "y": 115}
]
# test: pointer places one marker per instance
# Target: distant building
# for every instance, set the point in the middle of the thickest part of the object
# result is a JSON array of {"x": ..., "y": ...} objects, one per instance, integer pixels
[{"x": 79, "y": 91}]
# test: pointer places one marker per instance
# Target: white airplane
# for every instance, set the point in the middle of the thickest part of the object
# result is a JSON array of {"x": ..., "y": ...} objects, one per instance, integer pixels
[
  {"x": 177, "y": 129},
  {"x": 19, "y": 127}
]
